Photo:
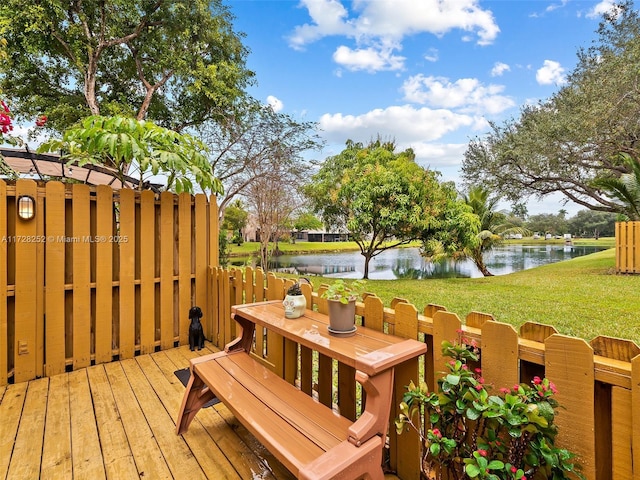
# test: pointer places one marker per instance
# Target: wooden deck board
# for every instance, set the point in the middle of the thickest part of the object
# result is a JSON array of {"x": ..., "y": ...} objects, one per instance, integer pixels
[
  {"x": 85, "y": 443},
  {"x": 118, "y": 458},
  {"x": 10, "y": 413},
  {"x": 56, "y": 451},
  {"x": 27, "y": 451},
  {"x": 117, "y": 421}
]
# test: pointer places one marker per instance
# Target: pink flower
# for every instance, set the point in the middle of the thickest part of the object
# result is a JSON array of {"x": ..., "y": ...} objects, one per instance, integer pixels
[
  {"x": 553, "y": 388},
  {"x": 516, "y": 387},
  {"x": 513, "y": 469},
  {"x": 436, "y": 432},
  {"x": 537, "y": 380},
  {"x": 41, "y": 120},
  {"x": 478, "y": 371},
  {"x": 4, "y": 106},
  {"x": 482, "y": 452},
  {"x": 504, "y": 390}
]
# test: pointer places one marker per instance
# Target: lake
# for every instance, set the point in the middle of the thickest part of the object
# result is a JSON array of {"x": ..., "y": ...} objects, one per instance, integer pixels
[{"x": 407, "y": 263}]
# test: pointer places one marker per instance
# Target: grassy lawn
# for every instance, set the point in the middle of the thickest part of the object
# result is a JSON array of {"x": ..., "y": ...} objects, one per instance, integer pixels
[{"x": 581, "y": 297}]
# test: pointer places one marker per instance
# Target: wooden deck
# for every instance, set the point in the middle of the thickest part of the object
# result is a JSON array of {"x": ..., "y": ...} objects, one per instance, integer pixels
[{"x": 117, "y": 421}]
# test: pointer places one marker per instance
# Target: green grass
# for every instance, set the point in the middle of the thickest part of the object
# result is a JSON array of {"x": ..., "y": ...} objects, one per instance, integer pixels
[{"x": 582, "y": 297}]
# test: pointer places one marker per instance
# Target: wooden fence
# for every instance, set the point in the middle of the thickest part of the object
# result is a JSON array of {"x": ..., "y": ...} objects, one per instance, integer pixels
[
  {"x": 98, "y": 274},
  {"x": 598, "y": 382},
  {"x": 628, "y": 247}
]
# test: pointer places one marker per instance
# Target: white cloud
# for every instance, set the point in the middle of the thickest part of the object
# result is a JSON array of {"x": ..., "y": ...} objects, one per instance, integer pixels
[
  {"x": 468, "y": 95},
  {"x": 602, "y": 7},
  {"x": 438, "y": 155},
  {"x": 404, "y": 123},
  {"x": 380, "y": 25},
  {"x": 550, "y": 73},
  {"x": 369, "y": 59},
  {"x": 432, "y": 55},
  {"x": 275, "y": 103},
  {"x": 329, "y": 18},
  {"x": 499, "y": 68}
]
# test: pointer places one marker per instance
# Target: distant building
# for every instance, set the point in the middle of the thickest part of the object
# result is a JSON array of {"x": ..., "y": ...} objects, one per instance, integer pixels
[{"x": 320, "y": 236}]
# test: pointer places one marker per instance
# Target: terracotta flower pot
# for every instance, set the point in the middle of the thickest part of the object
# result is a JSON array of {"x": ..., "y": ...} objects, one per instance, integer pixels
[{"x": 342, "y": 317}]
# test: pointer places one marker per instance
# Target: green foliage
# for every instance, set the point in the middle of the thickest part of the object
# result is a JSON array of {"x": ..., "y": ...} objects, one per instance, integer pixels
[
  {"x": 569, "y": 141},
  {"x": 235, "y": 217},
  {"x": 593, "y": 224},
  {"x": 343, "y": 292},
  {"x": 382, "y": 198},
  {"x": 625, "y": 188},
  {"x": 179, "y": 62},
  {"x": 223, "y": 250},
  {"x": 470, "y": 431},
  {"x": 294, "y": 289},
  {"x": 307, "y": 221},
  {"x": 118, "y": 141}
]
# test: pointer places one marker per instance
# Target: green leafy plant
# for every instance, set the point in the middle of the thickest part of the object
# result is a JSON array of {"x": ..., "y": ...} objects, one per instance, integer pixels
[
  {"x": 473, "y": 434},
  {"x": 294, "y": 289},
  {"x": 340, "y": 291}
]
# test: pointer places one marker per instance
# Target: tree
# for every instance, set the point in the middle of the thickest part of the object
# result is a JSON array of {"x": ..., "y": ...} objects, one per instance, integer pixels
[
  {"x": 566, "y": 143},
  {"x": 306, "y": 221},
  {"x": 625, "y": 188},
  {"x": 235, "y": 218},
  {"x": 272, "y": 199},
  {"x": 117, "y": 142},
  {"x": 253, "y": 140},
  {"x": 177, "y": 61},
  {"x": 594, "y": 224},
  {"x": 382, "y": 198},
  {"x": 555, "y": 224},
  {"x": 493, "y": 225}
]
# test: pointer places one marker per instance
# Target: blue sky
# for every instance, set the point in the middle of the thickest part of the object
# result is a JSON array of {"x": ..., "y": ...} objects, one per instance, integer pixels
[{"x": 429, "y": 74}]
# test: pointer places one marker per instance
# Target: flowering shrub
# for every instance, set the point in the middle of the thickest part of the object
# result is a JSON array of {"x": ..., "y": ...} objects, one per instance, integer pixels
[
  {"x": 5, "y": 119},
  {"x": 472, "y": 434}
]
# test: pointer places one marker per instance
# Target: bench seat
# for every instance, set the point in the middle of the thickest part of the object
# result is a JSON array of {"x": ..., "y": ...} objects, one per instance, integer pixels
[{"x": 310, "y": 439}]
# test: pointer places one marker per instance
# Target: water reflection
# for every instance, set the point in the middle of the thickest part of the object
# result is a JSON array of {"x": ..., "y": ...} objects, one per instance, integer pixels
[{"x": 408, "y": 264}]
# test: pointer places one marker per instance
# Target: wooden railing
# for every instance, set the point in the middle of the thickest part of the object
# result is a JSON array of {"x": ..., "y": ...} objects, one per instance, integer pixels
[
  {"x": 598, "y": 382},
  {"x": 98, "y": 274}
]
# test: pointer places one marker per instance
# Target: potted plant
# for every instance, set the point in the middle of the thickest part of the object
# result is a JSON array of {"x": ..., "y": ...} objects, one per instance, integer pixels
[
  {"x": 473, "y": 434},
  {"x": 295, "y": 303},
  {"x": 342, "y": 306}
]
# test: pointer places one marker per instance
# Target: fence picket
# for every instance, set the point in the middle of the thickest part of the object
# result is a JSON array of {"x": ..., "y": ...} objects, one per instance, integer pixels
[
  {"x": 500, "y": 354},
  {"x": 406, "y": 447},
  {"x": 634, "y": 416},
  {"x": 146, "y": 246},
  {"x": 4, "y": 324},
  {"x": 569, "y": 364},
  {"x": 200, "y": 256},
  {"x": 54, "y": 281},
  {"x": 167, "y": 330},
  {"x": 126, "y": 276},
  {"x": 184, "y": 265},
  {"x": 81, "y": 258}
]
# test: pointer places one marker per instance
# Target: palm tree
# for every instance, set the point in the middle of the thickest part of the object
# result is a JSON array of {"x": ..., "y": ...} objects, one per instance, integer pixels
[
  {"x": 493, "y": 226},
  {"x": 625, "y": 188}
]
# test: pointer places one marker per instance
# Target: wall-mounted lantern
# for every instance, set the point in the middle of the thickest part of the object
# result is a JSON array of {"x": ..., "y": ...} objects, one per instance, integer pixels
[{"x": 26, "y": 207}]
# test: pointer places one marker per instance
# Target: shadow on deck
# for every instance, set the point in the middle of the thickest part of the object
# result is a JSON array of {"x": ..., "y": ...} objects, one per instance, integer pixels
[{"x": 117, "y": 420}]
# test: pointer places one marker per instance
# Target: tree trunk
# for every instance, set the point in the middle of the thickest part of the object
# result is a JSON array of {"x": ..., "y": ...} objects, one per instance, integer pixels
[
  {"x": 479, "y": 261},
  {"x": 90, "y": 86},
  {"x": 367, "y": 259}
]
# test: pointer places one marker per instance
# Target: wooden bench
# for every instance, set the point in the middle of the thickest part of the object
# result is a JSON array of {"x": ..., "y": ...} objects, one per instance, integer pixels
[{"x": 310, "y": 439}]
